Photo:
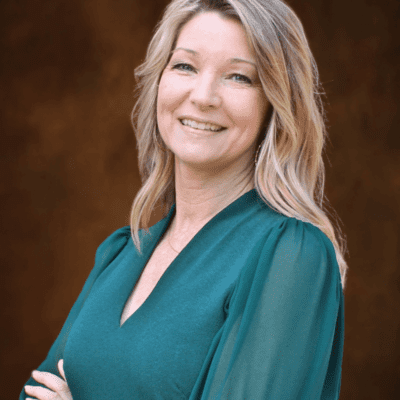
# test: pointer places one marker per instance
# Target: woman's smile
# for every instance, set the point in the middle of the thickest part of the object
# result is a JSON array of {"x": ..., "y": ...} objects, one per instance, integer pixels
[{"x": 199, "y": 131}]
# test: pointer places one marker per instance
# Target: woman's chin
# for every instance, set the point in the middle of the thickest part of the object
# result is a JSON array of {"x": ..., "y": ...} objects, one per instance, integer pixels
[{"x": 201, "y": 162}]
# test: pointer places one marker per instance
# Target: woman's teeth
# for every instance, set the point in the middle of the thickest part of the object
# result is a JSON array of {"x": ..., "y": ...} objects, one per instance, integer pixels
[{"x": 206, "y": 127}]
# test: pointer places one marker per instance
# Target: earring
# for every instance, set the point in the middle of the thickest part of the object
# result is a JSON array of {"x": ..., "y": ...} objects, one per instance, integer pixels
[{"x": 258, "y": 150}]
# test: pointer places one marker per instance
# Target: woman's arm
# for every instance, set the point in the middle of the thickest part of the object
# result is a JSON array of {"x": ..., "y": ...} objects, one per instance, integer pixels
[{"x": 283, "y": 337}]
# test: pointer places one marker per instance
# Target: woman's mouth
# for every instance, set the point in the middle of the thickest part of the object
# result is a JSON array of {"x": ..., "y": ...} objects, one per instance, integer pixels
[{"x": 192, "y": 125}]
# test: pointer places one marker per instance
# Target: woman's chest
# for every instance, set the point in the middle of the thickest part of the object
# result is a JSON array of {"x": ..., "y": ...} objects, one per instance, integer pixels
[
  {"x": 168, "y": 324},
  {"x": 158, "y": 263}
]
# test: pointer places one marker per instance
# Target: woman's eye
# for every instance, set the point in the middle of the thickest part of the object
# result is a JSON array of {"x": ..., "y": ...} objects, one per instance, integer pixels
[
  {"x": 181, "y": 65},
  {"x": 244, "y": 78},
  {"x": 188, "y": 67}
]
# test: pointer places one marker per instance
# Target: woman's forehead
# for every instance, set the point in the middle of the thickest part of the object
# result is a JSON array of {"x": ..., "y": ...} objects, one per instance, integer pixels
[{"x": 208, "y": 33}]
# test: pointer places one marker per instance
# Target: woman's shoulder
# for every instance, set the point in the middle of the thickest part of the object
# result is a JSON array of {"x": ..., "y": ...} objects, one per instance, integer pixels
[
  {"x": 290, "y": 236},
  {"x": 275, "y": 221},
  {"x": 112, "y": 245},
  {"x": 296, "y": 230},
  {"x": 119, "y": 235},
  {"x": 272, "y": 226},
  {"x": 300, "y": 244}
]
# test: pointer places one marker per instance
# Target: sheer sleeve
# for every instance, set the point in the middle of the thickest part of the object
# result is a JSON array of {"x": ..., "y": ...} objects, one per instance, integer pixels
[
  {"x": 283, "y": 336},
  {"x": 105, "y": 254}
]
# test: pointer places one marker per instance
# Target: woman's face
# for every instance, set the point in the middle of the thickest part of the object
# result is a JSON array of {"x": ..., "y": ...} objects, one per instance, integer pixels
[{"x": 204, "y": 82}]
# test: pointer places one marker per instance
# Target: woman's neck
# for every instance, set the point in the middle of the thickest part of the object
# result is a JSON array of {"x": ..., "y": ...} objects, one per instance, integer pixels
[{"x": 194, "y": 208}]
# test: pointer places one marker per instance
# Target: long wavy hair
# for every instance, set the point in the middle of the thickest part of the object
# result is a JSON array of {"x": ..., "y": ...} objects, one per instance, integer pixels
[{"x": 289, "y": 172}]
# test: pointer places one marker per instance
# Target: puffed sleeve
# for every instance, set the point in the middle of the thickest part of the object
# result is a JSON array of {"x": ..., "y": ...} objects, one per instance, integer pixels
[
  {"x": 105, "y": 254},
  {"x": 283, "y": 336}
]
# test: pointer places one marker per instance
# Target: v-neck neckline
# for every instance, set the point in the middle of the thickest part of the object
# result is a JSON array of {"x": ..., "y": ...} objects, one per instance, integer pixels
[{"x": 245, "y": 198}]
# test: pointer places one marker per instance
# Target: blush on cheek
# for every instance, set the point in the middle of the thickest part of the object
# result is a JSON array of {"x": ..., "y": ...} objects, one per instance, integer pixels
[{"x": 168, "y": 87}]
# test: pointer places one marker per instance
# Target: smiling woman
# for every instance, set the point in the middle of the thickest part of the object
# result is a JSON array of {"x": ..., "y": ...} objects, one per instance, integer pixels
[
  {"x": 237, "y": 292},
  {"x": 211, "y": 89}
]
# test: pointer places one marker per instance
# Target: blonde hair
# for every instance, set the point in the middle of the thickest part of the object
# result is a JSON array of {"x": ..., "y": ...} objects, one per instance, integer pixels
[{"x": 289, "y": 172}]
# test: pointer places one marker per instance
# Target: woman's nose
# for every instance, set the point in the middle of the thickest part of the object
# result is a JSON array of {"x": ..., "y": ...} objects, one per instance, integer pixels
[{"x": 205, "y": 91}]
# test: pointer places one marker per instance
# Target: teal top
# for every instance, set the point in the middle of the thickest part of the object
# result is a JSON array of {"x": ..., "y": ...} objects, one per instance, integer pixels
[{"x": 252, "y": 308}]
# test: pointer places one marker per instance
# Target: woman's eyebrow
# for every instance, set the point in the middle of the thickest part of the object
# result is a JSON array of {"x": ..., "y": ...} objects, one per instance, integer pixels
[{"x": 232, "y": 60}]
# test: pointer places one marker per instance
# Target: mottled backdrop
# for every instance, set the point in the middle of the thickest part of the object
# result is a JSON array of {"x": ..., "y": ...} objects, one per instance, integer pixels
[{"x": 69, "y": 165}]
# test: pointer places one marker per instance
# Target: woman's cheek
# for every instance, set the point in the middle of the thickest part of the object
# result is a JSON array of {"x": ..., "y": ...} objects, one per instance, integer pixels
[{"x": 168, "y": 84}]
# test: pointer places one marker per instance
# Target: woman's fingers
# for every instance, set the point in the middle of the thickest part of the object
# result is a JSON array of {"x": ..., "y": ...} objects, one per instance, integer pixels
[
  {"x": 52, "y": 381},
  {"x": 59, "y": 387},
  {"x": 39, "y": 392},
  {"x": 61, "y": 369}
]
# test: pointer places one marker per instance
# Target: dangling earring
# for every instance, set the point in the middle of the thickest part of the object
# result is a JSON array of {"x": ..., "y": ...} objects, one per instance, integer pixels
[{"x": 258, "y": 150}]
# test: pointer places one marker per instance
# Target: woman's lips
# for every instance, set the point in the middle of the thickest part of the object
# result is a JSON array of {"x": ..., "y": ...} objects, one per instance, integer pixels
[{"x": 201, "y": 131}]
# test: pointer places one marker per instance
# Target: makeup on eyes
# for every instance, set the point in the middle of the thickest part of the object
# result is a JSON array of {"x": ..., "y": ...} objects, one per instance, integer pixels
[
  {"x": 181, "y": 65},
  {"x": 250, "y": 77}
]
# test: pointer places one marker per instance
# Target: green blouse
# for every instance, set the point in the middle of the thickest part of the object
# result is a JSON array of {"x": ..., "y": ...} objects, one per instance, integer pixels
[{"x": 252, "y": 308}]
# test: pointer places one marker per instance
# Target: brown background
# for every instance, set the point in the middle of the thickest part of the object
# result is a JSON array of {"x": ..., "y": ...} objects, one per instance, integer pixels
[{"x": 69, "y": 165}]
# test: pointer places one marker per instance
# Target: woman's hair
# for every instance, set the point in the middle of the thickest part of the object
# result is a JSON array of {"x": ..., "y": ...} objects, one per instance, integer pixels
[{"x": 289, "y": 172}]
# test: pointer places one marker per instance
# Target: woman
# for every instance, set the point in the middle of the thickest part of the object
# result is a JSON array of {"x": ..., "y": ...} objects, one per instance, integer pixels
[{"x": 238, "y": 291}]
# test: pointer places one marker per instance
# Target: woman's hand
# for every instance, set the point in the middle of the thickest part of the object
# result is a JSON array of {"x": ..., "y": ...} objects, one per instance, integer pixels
[{"x": 59, "y": 388}]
